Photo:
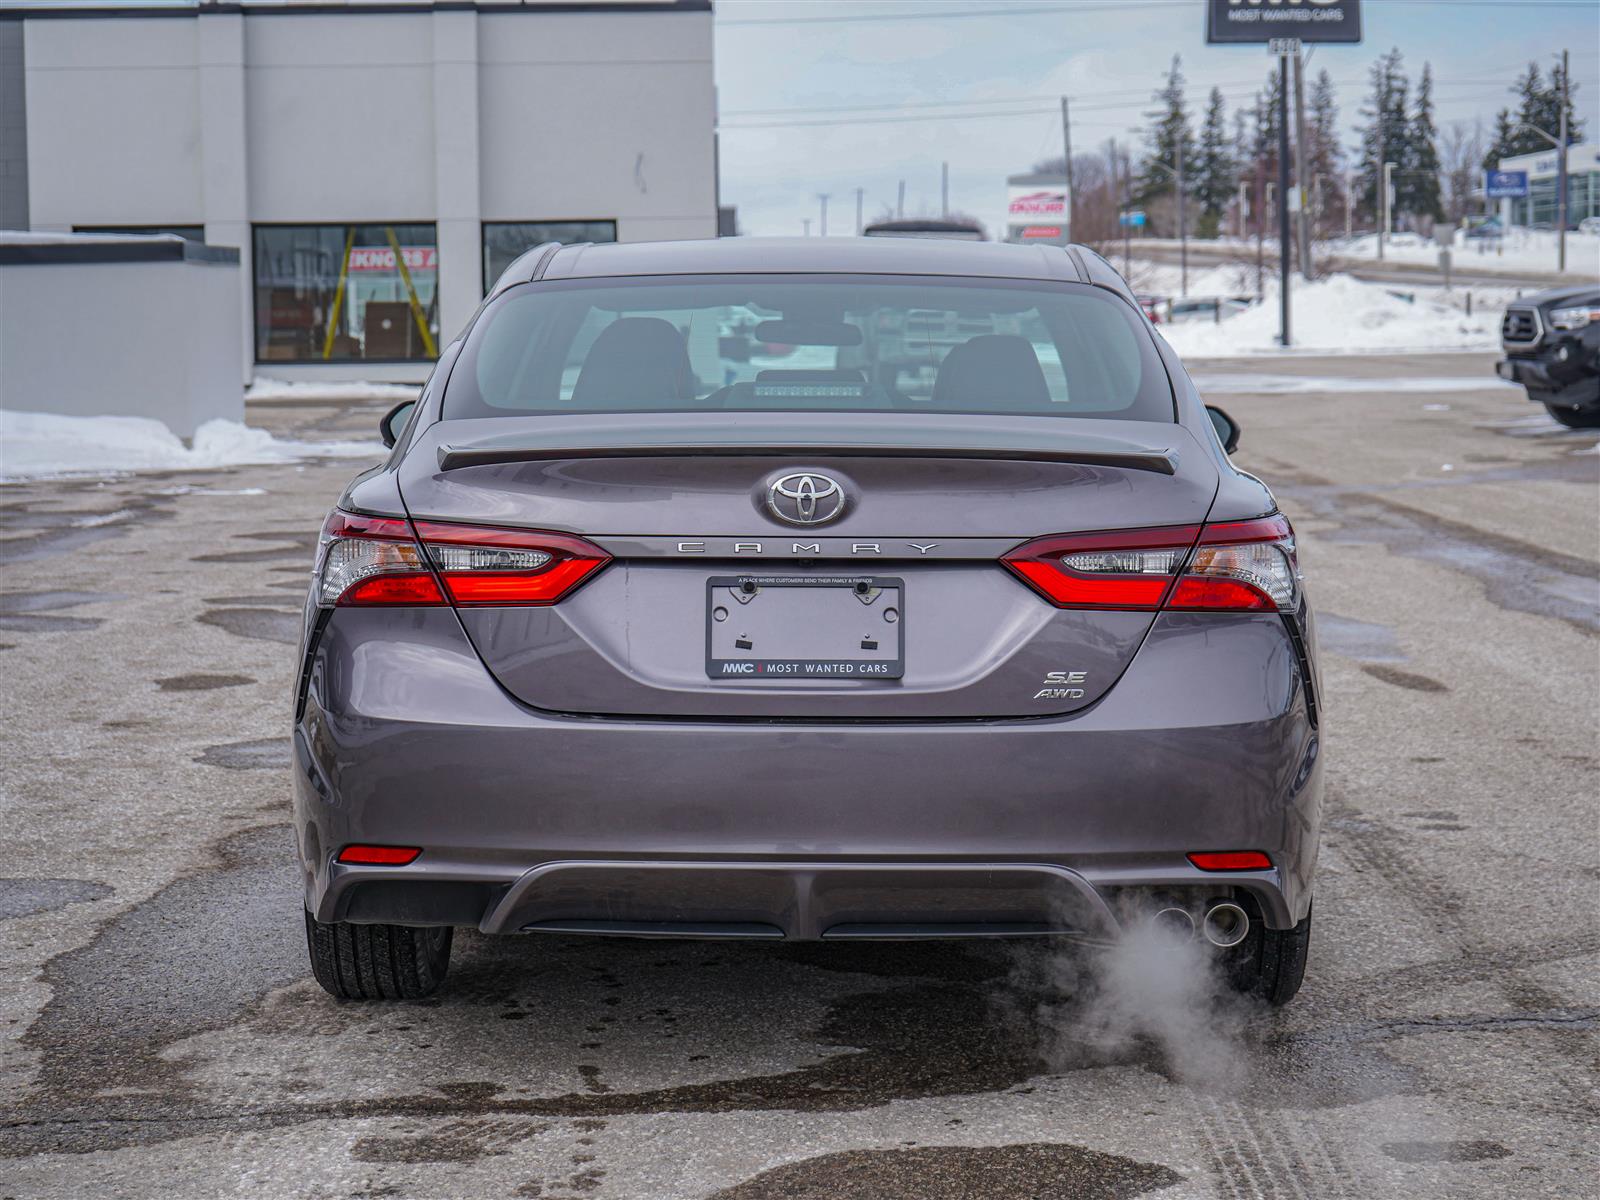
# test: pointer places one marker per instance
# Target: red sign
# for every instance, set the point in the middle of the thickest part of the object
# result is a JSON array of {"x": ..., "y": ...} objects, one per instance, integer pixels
[
  {"x": 381, "y": 258},
  {"x": 1042, "y": 231}
]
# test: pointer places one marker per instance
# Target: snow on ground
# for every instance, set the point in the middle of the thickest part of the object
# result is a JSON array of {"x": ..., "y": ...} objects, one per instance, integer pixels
[
  {"x": 1518, "y": 250},
  {"x": 278, "y": 389},
  {"x": 1321, "y": 385},
  {"x": 35, "y": 445},
  {"x": 1341, "y": 315}
]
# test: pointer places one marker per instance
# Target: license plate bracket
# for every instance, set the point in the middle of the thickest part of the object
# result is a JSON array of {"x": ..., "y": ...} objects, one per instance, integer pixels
[{"x": 775, "y": 626}]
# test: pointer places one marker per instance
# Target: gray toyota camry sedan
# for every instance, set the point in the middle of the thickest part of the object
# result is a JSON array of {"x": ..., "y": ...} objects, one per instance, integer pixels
[{"x": 806, "y": 589}]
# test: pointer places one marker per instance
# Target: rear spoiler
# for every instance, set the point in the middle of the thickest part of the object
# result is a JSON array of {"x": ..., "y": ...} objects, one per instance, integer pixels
[{"x": 1161, "y": 462}]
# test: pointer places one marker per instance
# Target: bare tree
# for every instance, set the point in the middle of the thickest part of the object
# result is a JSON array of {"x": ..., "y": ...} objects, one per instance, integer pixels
[{"x": 1461, "y": 151}]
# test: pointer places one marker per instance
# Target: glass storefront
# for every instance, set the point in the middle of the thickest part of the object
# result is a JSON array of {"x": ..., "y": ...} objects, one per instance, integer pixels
[
  {"x": 333, "y": 293},
  {"x": 504, "y": 240}
]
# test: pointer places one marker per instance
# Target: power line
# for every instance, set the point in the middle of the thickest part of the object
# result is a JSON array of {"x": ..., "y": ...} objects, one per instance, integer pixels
[
  {"x": 1227, "y": 89},
  {"x": 1040, "y": 10},
  {"x": 1095, "y": 6}
]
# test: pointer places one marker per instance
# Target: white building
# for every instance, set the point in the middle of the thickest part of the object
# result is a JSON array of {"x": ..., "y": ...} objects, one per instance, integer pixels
[
  {"x": 1539, "y": 207},
  {"x": 376, "y": 164}
]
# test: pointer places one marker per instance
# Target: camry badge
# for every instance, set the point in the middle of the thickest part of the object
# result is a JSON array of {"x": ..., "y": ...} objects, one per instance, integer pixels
[{"x": 805, "y": 498}]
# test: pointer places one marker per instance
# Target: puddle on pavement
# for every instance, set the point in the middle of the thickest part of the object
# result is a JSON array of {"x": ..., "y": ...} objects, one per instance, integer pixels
[
  {"x": 917, "y": 1172},
  {"x": 265, "y": 624},
  {"x": 293, "y": 545},
  {"x": 61, "y": 531},
  {"x": 24, "y": 897},
  {"x": 28, "y": 612},
  {"x": 265, "y": 754},
  {"x": 1363, "y": 641},
  {"x": 1444, "y": 1152},
  {"x": 1409, "y": 680},
  {"x": 201, "y": 683},
  {"x": 1516, "y": 575}
]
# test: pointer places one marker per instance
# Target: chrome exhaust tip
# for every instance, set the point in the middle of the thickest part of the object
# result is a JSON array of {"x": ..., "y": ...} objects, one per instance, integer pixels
[
  {"x": 1225, "y": 924},
  {"x": 1178, "y": 921}
]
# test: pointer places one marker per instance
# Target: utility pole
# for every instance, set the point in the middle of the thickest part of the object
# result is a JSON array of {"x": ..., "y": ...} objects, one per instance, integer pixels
[
  {"x": 1244, "y": 205},
  {"x": 1561, "y": 170},
  {"x": 822, "y": 227},
  {"x": 860, "y": 192},
  {"x": 944, "y": 189},
  {"x": 900, "y": 202},
  {"x": 1283, "y": 199},
  {"x": 1066, "y": 144},
  {"x": 1349, "y": 204},
  {"x": 1300, "y": 165}
]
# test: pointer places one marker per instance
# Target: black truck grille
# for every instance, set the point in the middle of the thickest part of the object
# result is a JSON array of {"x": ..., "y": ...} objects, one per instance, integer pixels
[{"x": 1520, "y": 327}]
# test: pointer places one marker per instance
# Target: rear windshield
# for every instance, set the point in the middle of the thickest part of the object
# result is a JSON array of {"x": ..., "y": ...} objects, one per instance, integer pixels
[{"x": 808, "y": 343}]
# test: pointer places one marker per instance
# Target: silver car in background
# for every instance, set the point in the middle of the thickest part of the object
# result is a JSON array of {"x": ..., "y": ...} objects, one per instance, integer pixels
[{"x": 643, "y": 632}]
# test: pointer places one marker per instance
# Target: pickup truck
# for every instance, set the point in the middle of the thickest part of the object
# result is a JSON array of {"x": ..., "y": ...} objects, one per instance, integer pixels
[{"x": 1552, "y": 346}]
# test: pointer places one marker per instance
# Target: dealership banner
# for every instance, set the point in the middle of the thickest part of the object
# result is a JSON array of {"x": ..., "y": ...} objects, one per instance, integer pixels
[
  {"x": 381, "y": 258},
  {"x": 1266, "y": 20}
]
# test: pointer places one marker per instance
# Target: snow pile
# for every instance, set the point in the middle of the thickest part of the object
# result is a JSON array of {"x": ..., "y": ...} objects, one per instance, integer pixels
[
  {"x": 34, "y": 445},
  {"x": 278, "y": 389},
  {"x": 1340, "y": 315}
]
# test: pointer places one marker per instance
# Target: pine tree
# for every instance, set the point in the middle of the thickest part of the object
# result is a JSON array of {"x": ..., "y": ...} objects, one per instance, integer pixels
[
  {"x": 1213, "y": 170},
  {"x": 1539, "y": 107},
  {"x": 1325, "y": 158},
  {"x": 1387, "y": 134},
  {"x": 1171, "y": 129},
  {"x": 1418, "y": 185},
  {"x": 1503, "y": 143}
]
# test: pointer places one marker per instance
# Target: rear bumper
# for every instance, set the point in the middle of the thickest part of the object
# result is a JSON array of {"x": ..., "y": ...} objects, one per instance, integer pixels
[{"x": 532, "y": 820}]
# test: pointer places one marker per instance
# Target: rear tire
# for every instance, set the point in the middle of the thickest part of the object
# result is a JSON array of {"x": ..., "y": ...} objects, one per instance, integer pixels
[
  {"x": 1575, "y": 418},
  {"x": 378, "y": 962},
  {"x": 1271, "y": 963}
]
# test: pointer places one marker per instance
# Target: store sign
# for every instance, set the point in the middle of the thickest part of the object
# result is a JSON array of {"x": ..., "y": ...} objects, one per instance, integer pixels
[
  {"x": 1131, "y": 220},
  {"x": 1256, "y": 21},
  {"x": 1041, "y": 231},
  {"x": 1505, "y": 185},
  {"x": 1028, "y": 202},
  {"x": 381, "y": 258}
]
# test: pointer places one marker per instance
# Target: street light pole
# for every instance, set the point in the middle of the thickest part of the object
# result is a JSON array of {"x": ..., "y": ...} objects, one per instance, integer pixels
[
  {"x": 1561, "y": 171},
  {"x": 1283, "y": 199},
  {"x": 860, "y": 192},
  {"x": 1388, "y": 190},
  {"x": 1183, "y": 224},
  {"x": 1066, "y": 144}
]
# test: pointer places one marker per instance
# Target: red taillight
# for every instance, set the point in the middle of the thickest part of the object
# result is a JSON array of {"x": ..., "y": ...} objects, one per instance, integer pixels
[
  {"x": 483, "y": 567},
  {"x": 379, "y": 560},
  {"x": 1231, "y": 860},
  {"x": 1238, "y": 566},
  {"x": 379, "y": 856},
  {"x": 1125, "y": 568},
  {"x": 373, "y": 560}
]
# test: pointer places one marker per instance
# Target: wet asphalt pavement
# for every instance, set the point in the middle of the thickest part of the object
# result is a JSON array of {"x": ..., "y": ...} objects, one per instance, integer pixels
[{"x": 162, "y": 1038}]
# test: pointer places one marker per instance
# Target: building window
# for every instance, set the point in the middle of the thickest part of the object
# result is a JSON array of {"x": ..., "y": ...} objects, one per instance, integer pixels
[
  {"x": 504, "y": 240},
  {"x": 192, "y": 233},
  {"x": 336, "y": 293}
]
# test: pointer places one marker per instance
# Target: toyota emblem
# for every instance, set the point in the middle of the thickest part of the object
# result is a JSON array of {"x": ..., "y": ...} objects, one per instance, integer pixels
[{"x": 805, "y": 498}]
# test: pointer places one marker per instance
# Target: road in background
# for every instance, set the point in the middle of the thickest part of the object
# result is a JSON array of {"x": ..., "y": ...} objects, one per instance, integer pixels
[
  {"x": 162, "y": 1037},
  {"x": 1468, "y": 269}
]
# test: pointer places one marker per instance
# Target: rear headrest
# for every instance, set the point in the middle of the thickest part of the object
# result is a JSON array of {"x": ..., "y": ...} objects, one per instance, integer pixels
[
  {"x": 639, "y": 362},
  {"x": 993, "y": 370}
]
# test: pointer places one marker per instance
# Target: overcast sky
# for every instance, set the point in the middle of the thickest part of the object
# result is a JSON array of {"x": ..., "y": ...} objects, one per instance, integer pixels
[{"x": 1011, "y": 62}]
